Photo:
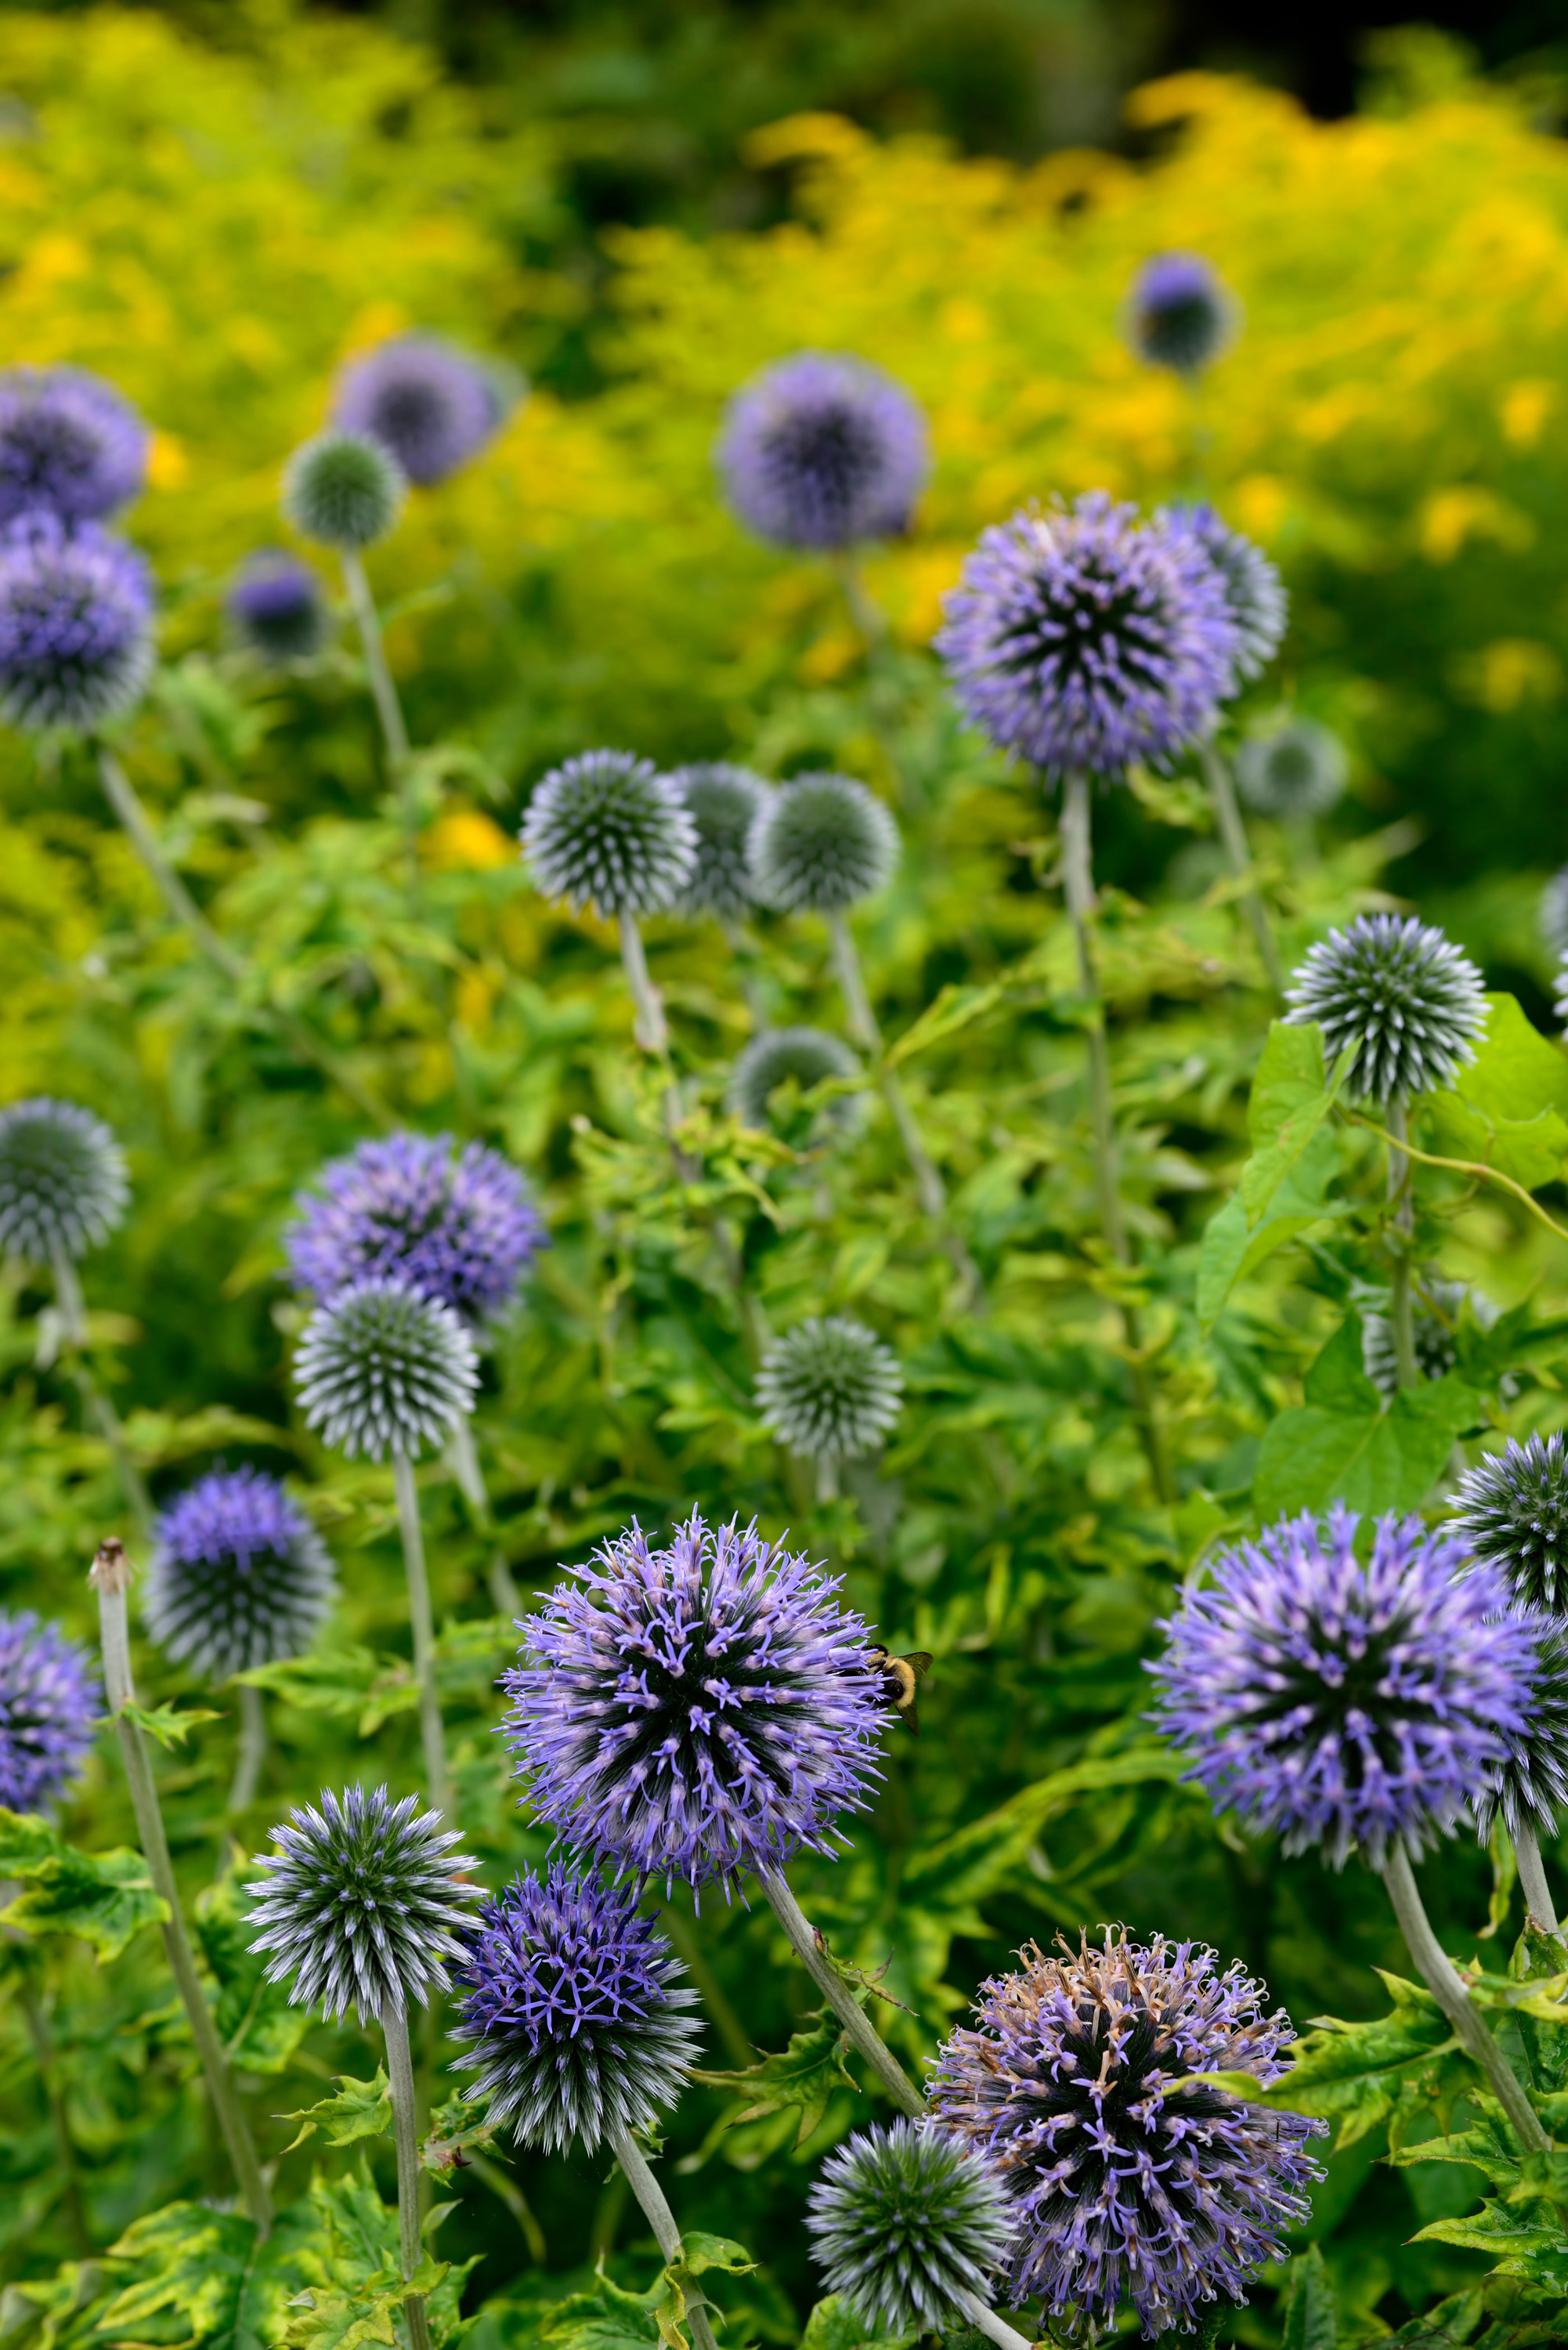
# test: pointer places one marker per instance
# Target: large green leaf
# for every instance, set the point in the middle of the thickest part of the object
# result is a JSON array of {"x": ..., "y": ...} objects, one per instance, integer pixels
[
  {"x": 1284, "y": 1184},
  {"x": 1312, "y": 2320},
  {"x": 1358, "y": 2076},
  {"x": 833, "y": 2325},
  {"x": 809, "y": 2072},
  {"x": 356, "y": 2109},
  {"x": 1508, "y": 1106},
  {"x": 102, "y": 1898},
  {"x": 1344, "y": 1445},
  {"x": 209, "y": 2269},
  {"x": 259, "y": 2026}
]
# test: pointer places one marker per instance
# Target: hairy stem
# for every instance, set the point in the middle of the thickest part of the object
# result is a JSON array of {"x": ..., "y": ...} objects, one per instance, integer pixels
[
  {"x": 827, "y": 1476},
  {"x": 649, "y": 1026},
  {"x": 44, "y": 2052},
  {"x": 856, "y": 2023},
  {"x": 406, "y": 2133},
  {"x": 134, "y": 823},
  {"x": 388, "y": 709},
  {"x": 661, "y": 2218},
  {"x": 433, "y": 1735},
  {"x": 988, "y": 2323},
  {"x": 462, "y": 1458},
  {"x": 1532, "y": 1879},
  {"x": 1402, "y": 1191},
  {"x": 97, "y": 1409},
  {"x": 251, "y": 1748},
  {"x": 1233, "y": 833}
]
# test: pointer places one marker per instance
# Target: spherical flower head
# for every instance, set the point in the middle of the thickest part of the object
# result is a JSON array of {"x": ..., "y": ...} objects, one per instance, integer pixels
[
  {"x": 277, "y": 607},
  {"x": 432, "y": 407},
  {"x": 363, "y": 1904},
  {"x": 1180, "y": 314},
  {"x": 1083, "y": 639},
  {"x": 1122, "y": 2186},
  {"x": 1296, "y": 769},
  {"x": 829, "y": 1389},
  {"x": 822, "y": 450},
  {"x": 1254, "y": 592},
  {"x": 821, "y": 842},
  {"x": 70, "y": 445},
  {"x": 343, "y": 490},
  {"x": 76, "y": 625},
  {"x": 239, "y": 1577},
  {"x": 382, "y": 1369},
  {"x": 1436, "y": 1311},
  {"x": 456, "y": 1225},
  {"x": 573, "y": 2011},
  {"x": 1551, "y": 915},
  {"x": 1530, "y": 1786},
  {"x": 63, "y": 1184},
  {"x": 1401, "y": 992},
  {"x": 905, "y": 2222},
  {"x": 804, "y": 1057},
  {"x": 606, "y": 831},
  {"x": 49, "y": 1702},
  {"x": 696, "y": 1711},
  {"x": 1356, "y": 1708},
  {"x": 722, "y": 802},
  {"x": 1510, "y": 1512}
]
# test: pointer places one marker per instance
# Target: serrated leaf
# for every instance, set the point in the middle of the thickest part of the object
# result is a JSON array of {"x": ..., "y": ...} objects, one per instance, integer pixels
[
  {"x": 1341, "y": 1444},
  {"x": 459, "y": 2128},
  {"x": 260, "y": 2029},
  {"x": 605, "y": 2317},
  {"x": 833, "y": 2325},
  {"x": 356, "y": 2109},
  {"x": 209, "y": 2268},
  {"x": 1541, "y": 2179},
  {"x": 1482, "y": 2147},
  {"x": 955, "y": 1007},
  {"x": 1508, "y": 1106},
  {"x": 167, "y": 1723},
  {"x": 1356, "y": 2074},
  {"x": 103, "y": 1898},
  {"x": 808, "y": 2073},
  {"x": 1311, "y": 2318},
  {"x": 702, "y": 2252}
]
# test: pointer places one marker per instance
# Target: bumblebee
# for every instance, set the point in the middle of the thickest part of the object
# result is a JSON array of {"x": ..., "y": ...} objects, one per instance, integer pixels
[{"x": 902, "y": 1677}]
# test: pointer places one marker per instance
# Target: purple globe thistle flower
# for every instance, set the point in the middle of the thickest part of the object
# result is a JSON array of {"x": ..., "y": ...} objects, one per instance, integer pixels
[
  {"x": 1084, "y": 640},
  {"x": 240, "y": 1578},
  {"x": 49, "y": 1702},
  {"x": 382, "y": 1369},
  {"x": 822, "y": 450},
  {"x": 75, "y": 624},
  {"x": 432, "y": 406},
  {"x": 907, "y": 2225},
  {"x": 572, "y": 2012},
  {"x": 1356, "y": 1708},
  {"x": 1254, "y": 592},
  {"x": 1180, "y": 314},
  {"x": 62, "y": 1183},
  {"x": 1406, "y": 996},
  {"x": 456, "y": 1225},
  {"x": 1124, "y": 2184},
  {"x": 697, "y": 1711},
  {"x": 1529, "y": 1787},
  {"x": 70, "y": 445},
  {"x": 1511, "y": 1511},
  {"x": 277, "y": 607}
]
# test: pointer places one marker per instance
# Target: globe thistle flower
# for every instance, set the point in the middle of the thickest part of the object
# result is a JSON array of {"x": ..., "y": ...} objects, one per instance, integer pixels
[
  {"x": 1254, "y": 592},
  {"x": 1127, "y": 2181},
  {"x": 1530, "y": 1786},
  {"x": 49, "y": 1701},
  {"x": 76, "y": 625},
  {"x": 343, "y": 490},
  {"x": 1357, "y": 1708},
  {"x": 820, "y": 842},
  {"x": 606, "y": 830},
  {"x": 1296, "y": 769},
  {"x": 696, "y": 1711},
  {"x": 363, "y": 1904},
  {"x": 722, "y": 802},
  {"x": 1510, "y": 1512},
  {"x": 1084, "y": 641},
  {"x": 572, "y": 2012},
  {"x": 906, "y": 2224},
  {"x": 807, "y": 1056},
  {"x": 383, "y": 1369},
  {"x": 239, "y": 1577},
  {"x": 1437, "y": 1308},
  {"x": 831, "y": 1388},
  {"x": 277, "y": 607},
  {"x": 432, "y": 407},
  {"x": 456, "y": 1225},
  {"x": 822, "y": 450},
  {"x": 1551, "y": 915},
  {"x": 1180, "y": 314},
  {"x": 1399, "y": 991},
  {"x": 70, "y": 445},
  {"x": 62, "y": 1183}
]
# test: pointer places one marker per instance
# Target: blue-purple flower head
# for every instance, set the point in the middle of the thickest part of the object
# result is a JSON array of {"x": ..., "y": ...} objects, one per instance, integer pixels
[
  {"x": 277, "y": 607},
  {"x": 382, "y": 1370},
  {"x": 824, "y": 449},
  {"x": 1127, "y": 2181},
  {"x": 1254, "y": 592},
  {"x": 70, "y": 445},
  {"x": 573, "y": 2011},
  {"x": 49, "y": 1703},
  {"x": 1408, "y": 999},
  {"x": 457, "y": 1225},
  {"x": 1356, "y": 1708},
  {"x": 1180, "y": 314},
  {"x": 695, "y": 1710},
  {"x": 1511, "y": 1512},
  {"x": 1530, "y": 1786},
  {"x": 907, "y": 2223},
  {"x": 432, "y": 406},
  {"x": 76, "y": 625},
  {"x": 63, "y": 1182},
  {"x": 239, "y": 1577},
  {"x": 1081, "y": 638}
]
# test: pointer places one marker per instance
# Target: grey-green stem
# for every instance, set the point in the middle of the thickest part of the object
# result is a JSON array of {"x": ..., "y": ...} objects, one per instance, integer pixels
[
  {"x": 462, "y": 1458},
  {"x": 384, "y": 694},
  {"x": 1233, "y": 833},
  {"x": 96, "y": 1405},
  {"x": 661, "y": 2218},
  {"x": 1532, "y": 1881},
  {"x": 649, "y": 1026},
  {"x": 251, "y": 1752},
  {"x": 1402, "y": 1193},
  {"x": 987, "y": 2322},
  {"x": 433, "y": 1735},
  {"x": 827, "y": 1476},
  {"x": 861, "y": 2033},
  {"x": 405, "y": 2137}
]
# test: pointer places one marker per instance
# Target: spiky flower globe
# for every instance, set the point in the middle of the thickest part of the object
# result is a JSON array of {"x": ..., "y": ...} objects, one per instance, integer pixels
[
  {"x": 829, "y": 1389},
  {"x": 343, "y": 490},
  {"x": 1529, "y": 1787},
  {"x": 820, "y": 842},
  {"x": 906, "y": 2223},
  {"x": 49, "y": 1704},
  {"x": 239, "y": 1577},
  {"x": 1081, "y": 638},
  {"x": 70, "y": 445},
  {"x": 572, "y": 2010},
  {"x": 1123, "y": 2187},
  {"x": 363, "y": 1904},
  {"x": 1354, "y": 1707},
  {"x": 1180, "y": 314},
  {"x": 1294, "y": 769},
  {"x": 432, "y": 406},
  {"x": 606, "y": 831},
  {"x": 822, "y": 450},
  {"x": 695, "y": 1710},
  {"x": 1437, "y": 1309},
  {"x": 1510, "y": 1512},
  {"x": 382, "y": 1369},
  {"x": 1401, "y": 992},
  {"x": 1551, "y": 915},
  {"x": 723, "y": 802},
  {"x": 277, "y": 607},
  {"x": 456, "y": 1225},
  {"x": 76, "y": 625},
  {"x": 805, "y": 1057},
  {"x": 63, "y": 1184},
  {"x": 1254, "y": 592}
]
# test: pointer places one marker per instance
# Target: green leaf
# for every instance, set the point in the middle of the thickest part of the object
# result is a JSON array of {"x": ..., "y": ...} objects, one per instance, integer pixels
[
  {"x": 1508, "y": 1106},
  {"x": 1312, "y": 2320},
  {"x": 258, "y": 2025},
  {"x": 1341, "y": 1444},
  {"x": 703, "y": 2253},
  {"x": 833, "y": 2325},
  {"x": 459, "y": 2128},
  {"x": 605, "y": 2318},
  {"x": 1359, "y": 2075},
  {"x": 210, "y": 2269},
  {"x": 356, "y": 2109},
  {"x": 1284, "y": 1184},
  {"x": 1482, "y": 2147},
  {"x": 166, "y": 1722},
  {"x": 104, "y": 1899},
  {"x": 956, "y": 1007},
  {"x": 1541, "y": 2179},
  {"x": 810, "y": 2071}
]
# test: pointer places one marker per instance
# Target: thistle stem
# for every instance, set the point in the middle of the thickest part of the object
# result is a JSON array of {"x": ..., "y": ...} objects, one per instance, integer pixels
[
  {"x": 649, "y": 1027},
  {"x": 813, "y": 1956},
  {"x": 1532, "y": 1879},
  {"x": 1443, "y": 1981},
  {"x": 462, "y": 1458},
  {"x": 406, "y": 2134},
  {"x": 431, "y": 1733},
  {"x": 96, "y": 1405},
  {"x": 133, "y": 821},
  {"x": 988, "y": 2323},
  {"x": 251, "y": 1748},
  {"x": 384, "y": 693},
  {"x": 827, "y": 1476},
  {"x": 1233, "y": 833},
  {"x": 110, "y": 1577},
  {"x": 1402, "y": 1193},
  {"x": 661, "y": 2218}
]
